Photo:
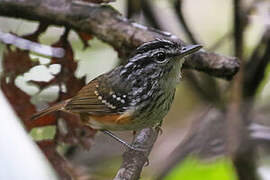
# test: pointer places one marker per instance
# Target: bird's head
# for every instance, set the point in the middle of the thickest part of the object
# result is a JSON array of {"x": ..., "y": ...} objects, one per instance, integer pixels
[{"x": 157, "y": 59}]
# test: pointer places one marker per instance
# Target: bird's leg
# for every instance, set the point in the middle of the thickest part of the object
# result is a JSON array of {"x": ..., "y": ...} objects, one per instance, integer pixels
[{"x": 122, "y": 141}]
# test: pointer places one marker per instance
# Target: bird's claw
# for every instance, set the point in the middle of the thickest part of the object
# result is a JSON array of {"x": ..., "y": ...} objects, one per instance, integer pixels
[
  {"x": 146, "y": 162},
  {"x": 159, "y": 129}
]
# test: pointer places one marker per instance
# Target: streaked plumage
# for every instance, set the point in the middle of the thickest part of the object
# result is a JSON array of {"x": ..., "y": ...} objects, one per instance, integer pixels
[{"x": 132, "y": 96}]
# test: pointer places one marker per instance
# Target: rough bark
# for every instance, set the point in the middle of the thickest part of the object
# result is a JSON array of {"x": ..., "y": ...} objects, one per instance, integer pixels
[{"x": 110, "y": 26}]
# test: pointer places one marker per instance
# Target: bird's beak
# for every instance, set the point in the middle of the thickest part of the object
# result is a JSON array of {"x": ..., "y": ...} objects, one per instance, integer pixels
[{"x": 189, "y": 49}]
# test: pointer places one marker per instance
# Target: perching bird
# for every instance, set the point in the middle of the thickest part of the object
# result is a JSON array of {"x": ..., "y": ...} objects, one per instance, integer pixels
[{"x": 131, "y": 96}]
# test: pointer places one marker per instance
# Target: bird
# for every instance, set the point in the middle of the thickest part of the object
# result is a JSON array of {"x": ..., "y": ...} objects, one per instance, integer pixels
[{"x": 134, "y": 95}]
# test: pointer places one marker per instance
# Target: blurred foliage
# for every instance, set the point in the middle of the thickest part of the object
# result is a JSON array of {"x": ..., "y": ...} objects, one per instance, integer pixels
[
  {"x": 194, "y": 169},
  {"x": 42, "y": 133}
]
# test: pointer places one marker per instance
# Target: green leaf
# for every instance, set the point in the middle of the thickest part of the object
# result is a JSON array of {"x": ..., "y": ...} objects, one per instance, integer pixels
[
  {"x": 43, "y": 133},
  {"x": 194, "y": 169}
]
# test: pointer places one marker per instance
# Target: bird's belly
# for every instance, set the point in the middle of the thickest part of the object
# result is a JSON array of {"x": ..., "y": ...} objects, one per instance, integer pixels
[
  {"x": 124, "y": 121},
  {"x": 127, "y": 125},
  {"x": 150, "y": 115}
]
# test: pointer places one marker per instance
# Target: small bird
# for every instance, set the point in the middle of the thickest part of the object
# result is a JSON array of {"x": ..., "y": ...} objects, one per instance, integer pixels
[{"x": 132, "y": 96}]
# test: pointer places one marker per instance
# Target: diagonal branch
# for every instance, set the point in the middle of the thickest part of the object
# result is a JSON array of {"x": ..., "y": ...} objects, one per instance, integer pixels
[
  {"x": 149, "y": 14},
  {"x": 255, "y": 68},
  {"x": 110, "y": 26},
  {"x": 133, "y": 161},
  {"x": 133, "y": 8},
  {"x": 208, "y": 88},
  {"x": 178, "y": 7}
]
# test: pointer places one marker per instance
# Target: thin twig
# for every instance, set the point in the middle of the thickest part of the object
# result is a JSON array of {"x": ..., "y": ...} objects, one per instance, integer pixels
[
  {"x": 133, "y": 8},
  {"x": 179, "y": 12},
  {"x": 22, "y": 43},
  {"x": 150, "y": 14}
]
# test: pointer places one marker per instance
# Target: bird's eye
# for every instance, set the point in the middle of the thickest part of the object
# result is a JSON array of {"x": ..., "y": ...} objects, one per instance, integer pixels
[{"x": 160, "y": 57}]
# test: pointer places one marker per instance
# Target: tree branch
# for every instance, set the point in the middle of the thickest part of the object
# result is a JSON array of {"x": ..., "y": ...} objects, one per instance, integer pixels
[
  {"x": 178, "y": 8},
  {"x": 215, "y": 65},
  {"x": 133, "y": 8},
  {"x": 238, "y": 115},
  {"x": 133, "y": 161},
  {"x": 110, "y": 26},
  {"x": 255, "y": 67},
  {"x": 149, "y": 14}
]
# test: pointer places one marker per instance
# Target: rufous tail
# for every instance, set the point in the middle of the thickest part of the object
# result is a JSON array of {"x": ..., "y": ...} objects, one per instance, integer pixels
[{"x": 56, "y": 107}]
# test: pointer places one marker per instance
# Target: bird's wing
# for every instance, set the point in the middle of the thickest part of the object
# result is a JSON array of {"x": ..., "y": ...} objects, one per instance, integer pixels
[{"x": 97, "y": 98}]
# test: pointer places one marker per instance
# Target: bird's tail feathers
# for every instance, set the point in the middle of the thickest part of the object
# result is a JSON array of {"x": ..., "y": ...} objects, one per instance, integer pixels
[{"x": 56, "y": 107}]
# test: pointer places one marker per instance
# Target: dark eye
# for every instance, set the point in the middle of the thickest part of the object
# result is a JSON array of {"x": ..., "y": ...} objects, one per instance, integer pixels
[{"x": 160, "y": 57}]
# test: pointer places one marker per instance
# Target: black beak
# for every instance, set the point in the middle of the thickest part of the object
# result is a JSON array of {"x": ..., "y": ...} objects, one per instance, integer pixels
[{"x": 189, "y": 49}]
